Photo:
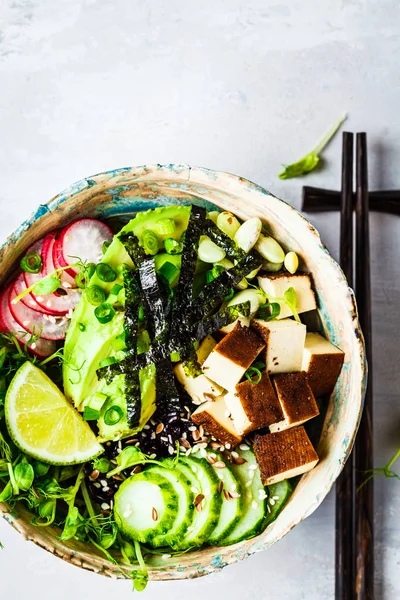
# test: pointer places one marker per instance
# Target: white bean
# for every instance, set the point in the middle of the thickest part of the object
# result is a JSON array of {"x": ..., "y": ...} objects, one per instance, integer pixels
[
  {"x": 255, "y": 297},
  {"x": 270, "y": 249},
  {"x": 208, "y": 251},
  {"x": 248, "y": 234},
  {"x": 213, "y": 215},
  {"x": 291, "y": 262},
  {"x": 228, "y": 223}
]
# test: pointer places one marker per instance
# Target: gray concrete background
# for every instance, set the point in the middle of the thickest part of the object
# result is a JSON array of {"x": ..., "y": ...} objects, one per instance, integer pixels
[{"x": 241, "y": 86}]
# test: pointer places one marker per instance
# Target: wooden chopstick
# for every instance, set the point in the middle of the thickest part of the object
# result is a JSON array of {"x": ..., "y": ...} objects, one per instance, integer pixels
[
  {"x": 364, "y": 532},
  {"x": 321, "y": 200},
  {"x": 344, "y": 517}
]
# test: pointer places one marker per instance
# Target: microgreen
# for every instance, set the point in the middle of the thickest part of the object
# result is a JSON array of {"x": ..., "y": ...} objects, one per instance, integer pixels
[
  {"x": 385, "y": 471},
  {"x": 130, "y": 457},
  {"x": 290, "y": 297},
  {"x": 312, "y": 159},
  {"x": 24, "y": 475}
]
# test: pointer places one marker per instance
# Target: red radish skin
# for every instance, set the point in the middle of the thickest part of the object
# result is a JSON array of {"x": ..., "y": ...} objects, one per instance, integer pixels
[
  {"x": 51, "y": 327},
  {"x": 41, "y": 348},
  {"x": 65, "y": 276},
  {"x": 83, "y": 239},
  {"x": 52, "y": 304},
  {"x": 28, "y": 300}
]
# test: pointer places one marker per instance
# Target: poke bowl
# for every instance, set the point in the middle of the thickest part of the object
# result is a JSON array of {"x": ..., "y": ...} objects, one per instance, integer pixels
[{"x": 320, "y": 400}]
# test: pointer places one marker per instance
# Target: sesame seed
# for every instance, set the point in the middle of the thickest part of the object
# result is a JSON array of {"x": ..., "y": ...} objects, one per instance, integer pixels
[
  {"x": 105, "y": 506},
  {"x": 251, "y": 474},
  {"x": 153, "y": 436},
  {"x": 228, "y": 446},
  {"x": 33, "y": 346},
  {"x": 97, "y": 485},
  {"x": 234, "y": 454},
  {"x": 152, "y": 456},
  {"x": 192, "y": 428},
  {"x": 66, "y": 285},
  {"x": 254, "y": 504},
  {"x": 26, "y": 323},
  {"x": 253, "y": 467},
  {"x": 188, "y": 451},
  {"x": 105, "y": 488},
  {"x": 244, "y": 447},
  {"x": 248, "y": 483},
  {"x": 48, "y": 303},
  {"x": 146, "y": 427},
  {"x": 268, "y": 508},
  {"x": 275, "y": 497},
  {"x": 152, "y": 422},
  {"x": 163, "y": 438},
  {"x": 219, "y": 464},
  {"x": 103, "y": 482},
  {"x": 271, "y": 501},
  {"x": 171, "y": 449}
]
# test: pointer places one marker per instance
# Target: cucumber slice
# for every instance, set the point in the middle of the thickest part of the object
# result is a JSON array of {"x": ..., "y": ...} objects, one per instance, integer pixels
[
  {"x": 145, "y": 505},
  {"x": 231, "y": 507},
  {"x": 254, "y": 509},
  {"x": 206, "y": 519},
  {"x": 278, "y": 495},
  {"x": 182, "y": 485}
]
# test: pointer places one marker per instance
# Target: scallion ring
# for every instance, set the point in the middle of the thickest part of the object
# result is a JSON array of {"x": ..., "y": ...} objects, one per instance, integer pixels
[
  {"x": 81, "y": 327},
  {"x": 230, "y": 295},
  {"x": 104, "y": 313},
  {"x": 150, "y": 242},
  {"x": 113, "y": 415},
  {"x": 253, "y": 372},
  {"x": 172, "y": 246},
  {"x": 165, "y": 226},
  {"x": 105, "y": 273},
  {"x": 116, "y": 288},
  {"x": 95, "y": 295},
  {"x": 31, "y": 263}
]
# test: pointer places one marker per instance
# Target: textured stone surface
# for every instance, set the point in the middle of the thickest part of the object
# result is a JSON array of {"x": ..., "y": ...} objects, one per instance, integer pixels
[{"x": 232, "y": 85}]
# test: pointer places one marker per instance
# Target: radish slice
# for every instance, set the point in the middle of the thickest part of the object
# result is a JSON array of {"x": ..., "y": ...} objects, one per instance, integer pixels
[
  {"x": 50, "y": 327},
  {"x": 66, "y": 278},
  {"x": 28, "y": 300},
  {"x": 83, "y": 239},
  {"x": 52, "y": 304},
  {"x": 41, "y": 348}
]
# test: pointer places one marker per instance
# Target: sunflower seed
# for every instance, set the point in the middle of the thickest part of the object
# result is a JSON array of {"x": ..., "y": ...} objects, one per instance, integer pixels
[
  {"x": 210, "y": 459},
  {"x": 239, "y": 460},
  {"x": 199, "y": 498},
  {"x": 220, "y": 487},
  {"x": 219, "y": 464},
  {"x": 136, "y": 469},
  {"x": 159, "y": 428},
  {"x": 199, "y": 507},
  {"x": 184, "y": 442},
  {"x": 208, "y": 397},
  {"x": 234, "y": 494},
  {"x": 154, "y": 514},
  {"x": 94, "y": 475},
  {"x": 227, "y": 496},
  {"x": 196, "y": 435}
]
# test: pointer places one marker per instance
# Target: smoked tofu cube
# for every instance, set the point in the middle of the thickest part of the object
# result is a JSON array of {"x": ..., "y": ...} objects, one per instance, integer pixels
[
  {"x": 253, "y": 406},
  {"x": 232, "y": 356},
  {"x": 214, "y": 417},
  {"x": 244, "y": 321},
  {"x": 284, "y": 455},
  {"x": 296, "y": 399},
  {"x": 199, "y": 388},
  {"x": 277, "y": 284},
  {"x": 322, "y": 362},
  {"x": 284, "y": 344}
]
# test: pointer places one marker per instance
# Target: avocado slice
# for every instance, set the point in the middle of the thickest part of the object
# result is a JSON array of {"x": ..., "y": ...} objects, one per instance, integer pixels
[{"x": 88, "y": 342}]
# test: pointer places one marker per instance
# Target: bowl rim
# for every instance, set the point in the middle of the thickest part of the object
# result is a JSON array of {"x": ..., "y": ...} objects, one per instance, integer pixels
[{"x": 244, "y": 549}]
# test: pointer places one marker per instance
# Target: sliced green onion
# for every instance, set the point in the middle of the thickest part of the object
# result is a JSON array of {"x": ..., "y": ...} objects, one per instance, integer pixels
[
  {"x": 116, "y": 288},
  {"x": 106, "y": 362},
  {"x": 169, "y": 271},
  {"x": 81, "y": 327},
  {"x": 214, "y": 273},
  {"x": 84, "y": 275},
  {"x": 105, "y": 273},
  {"x": 105, "y": 246},
  {"x": 97, "y": 401},
  {"x": 150, "y": 242},
  {"x": 175, "y": 356},
  {"x": 259, "y": 364},
  {"x": 31, "y": 263},
  {"x": 113, "y": 415},
  {"x": 165, "y": 226},
  {"x": 172, "y": 246},
  {"x": 141, "y": 313},
  {"x": 230, "y": 295},
  {"x": 104, "y": 313},
  {"x": 252, "y": 372},
  {"x": 91, "y": 414},
  {"x": 95, "y": 295}
]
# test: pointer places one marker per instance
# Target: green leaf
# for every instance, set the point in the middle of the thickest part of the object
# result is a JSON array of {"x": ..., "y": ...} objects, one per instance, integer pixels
[
  {"x": 24, "y": 475},
  {"x": 130, "y": 457},
  {"x": 7, "y": 493},
  {"x": 311, "y": 160},
  {"x": 47, "y": 285},
  {"x": 40, "y": 468},
  {"x": 290, "y": 297},
  {"x": 101, "y": 464}
]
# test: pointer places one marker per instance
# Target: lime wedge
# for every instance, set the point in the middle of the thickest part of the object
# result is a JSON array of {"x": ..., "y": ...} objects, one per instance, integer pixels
[{"x": 43, "y": 424}]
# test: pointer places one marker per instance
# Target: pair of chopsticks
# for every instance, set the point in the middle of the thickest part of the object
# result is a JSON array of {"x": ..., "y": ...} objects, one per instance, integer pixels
[{"x": 354, "y": 549}]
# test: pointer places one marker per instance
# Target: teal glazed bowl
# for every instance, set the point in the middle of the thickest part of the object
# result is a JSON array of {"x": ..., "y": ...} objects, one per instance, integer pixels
[{"x": 124, "y": 192}]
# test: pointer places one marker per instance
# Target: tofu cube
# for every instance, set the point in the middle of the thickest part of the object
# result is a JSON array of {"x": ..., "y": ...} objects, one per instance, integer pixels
[
  {"x": 232, "y": 356},
  {"x": 284, "y": 342},
  {"x": 214, "y": 416},
  {"x": 276, "y": 284},
  {"x": 244, "y": 321},
  {"x": 199, "y": 388},
  {"x": 253, "y": 406},
  {"x": 284, "y": 454},
  {"x": 322, "y": 362},
  {"x": 296, "y": 399}
]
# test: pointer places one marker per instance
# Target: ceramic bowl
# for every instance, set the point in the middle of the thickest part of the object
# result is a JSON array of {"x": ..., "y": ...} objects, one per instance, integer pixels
[{"x": 129, "y": 190}]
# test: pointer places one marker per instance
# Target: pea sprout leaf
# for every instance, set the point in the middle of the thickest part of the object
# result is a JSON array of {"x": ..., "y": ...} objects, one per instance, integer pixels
[
  {"x": 24, "y": 475},
  {"x": 130, "y": 457},
  {"x": 385, "y": 471},
  {"x": 290, "y": 297},
  {"x": 47, "y": 285},
  {"x": 310, "y": 160}
]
